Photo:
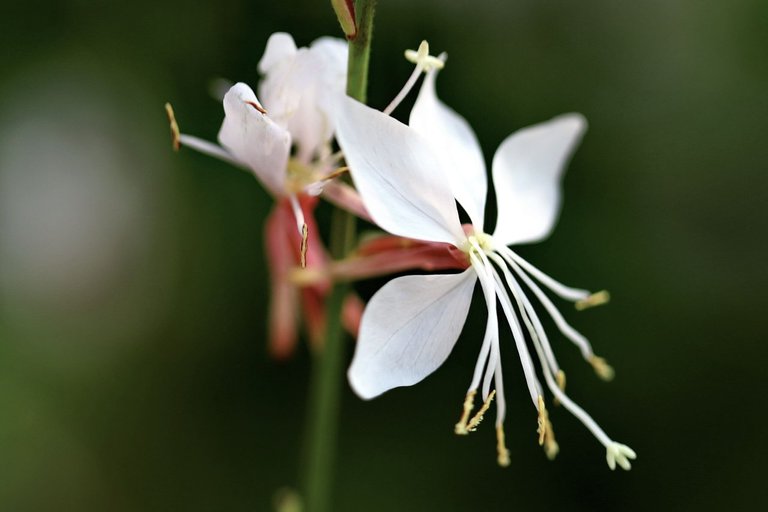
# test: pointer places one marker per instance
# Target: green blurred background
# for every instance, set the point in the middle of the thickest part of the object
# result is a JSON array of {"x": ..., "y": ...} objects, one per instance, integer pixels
[{"x": 133, "y": 365}]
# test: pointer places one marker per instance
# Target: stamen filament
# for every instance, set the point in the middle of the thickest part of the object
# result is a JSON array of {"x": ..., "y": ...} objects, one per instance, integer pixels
[
  {"x": 210, "y": 149},
  {"x": 493, "y": 359},
  {"x": 298, "y": 213},
  {"x": 517, "y": 334},
  {"x": 569, "y": 404},
  {"x": 424, "y": 62},
  {"x": 404, "y": 91},
  {"x": 565, "y": 292},
  {"x": 492, "y": 326},
  {"x": 569, "y": 332},
  {"x": 530, "y": 318}
]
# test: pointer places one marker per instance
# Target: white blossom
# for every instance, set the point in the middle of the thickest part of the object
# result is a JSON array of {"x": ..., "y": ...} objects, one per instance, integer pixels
[{"x": 410, "y": 179}]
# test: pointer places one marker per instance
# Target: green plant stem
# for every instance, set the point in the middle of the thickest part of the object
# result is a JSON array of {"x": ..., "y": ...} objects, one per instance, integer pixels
[
  {"x": 327, "y": 378},
  {"x": 360, "y": 50}
]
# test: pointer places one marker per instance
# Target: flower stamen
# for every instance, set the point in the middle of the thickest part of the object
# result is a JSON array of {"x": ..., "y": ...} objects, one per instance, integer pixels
[
  {"x": 424, "y": 63},
  {"x": 478, "y": 417},
  {"x": 304, "y": 245},
  {"x": 502, "y": 453},
  {"x": 175, "y": 133},
  {"x": 423, "y": 59},
  {"x": 602, "y": 368},
  {"x": 560, "y": 378},
  {"x": 469, "y": 404},
  {"x": 596, "y": 299},
  {"x": 546, "y": 432}
]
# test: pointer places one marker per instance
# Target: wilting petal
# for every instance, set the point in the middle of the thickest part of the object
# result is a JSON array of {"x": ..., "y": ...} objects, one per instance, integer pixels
[
  {"x": 397, "y": 175},
  {"x": 527, "y": 170},
  {"x": 456, "y": 145},
  {"x": 253, "y": 138},
  {"x": 408, "y": 330}
]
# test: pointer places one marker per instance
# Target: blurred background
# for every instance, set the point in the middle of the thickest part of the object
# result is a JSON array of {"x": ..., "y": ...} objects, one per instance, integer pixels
[{"x": 133, "y": 366}]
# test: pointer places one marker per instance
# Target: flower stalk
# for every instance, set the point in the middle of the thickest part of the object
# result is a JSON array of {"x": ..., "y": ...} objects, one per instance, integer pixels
[{"x": 327, "y": 377}]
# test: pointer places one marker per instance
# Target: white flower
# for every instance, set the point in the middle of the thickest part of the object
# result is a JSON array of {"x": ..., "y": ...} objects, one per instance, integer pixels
[
  {"x": 410, "y": 179},
  {"x": 293, "y": 112}
]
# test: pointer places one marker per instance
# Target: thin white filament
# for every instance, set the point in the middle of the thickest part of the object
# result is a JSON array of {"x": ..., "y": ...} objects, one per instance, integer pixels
[
  {"x": 577, "y": 411},
  {"x": 530, "y": 318},
  {"x": 501, "y": 402},
  {"x": 534, "y": 388},
  {"x": 210, "y": 149},
  {"x": 495, "y": 356},
  {"x": 564, "y": 327},
  {"x": 569, "y": 404},
  {"x": 491, "y": 329},
  {"x": 404, "y": 91},
  {"x": 298, "y": 213},
  {"x": 489, "y": 349},
  {"x": 566, "y": 292}
]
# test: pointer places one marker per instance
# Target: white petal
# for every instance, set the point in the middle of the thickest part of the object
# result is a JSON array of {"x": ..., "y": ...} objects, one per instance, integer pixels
[
  {"x": 396, "y": 174},
  {"x": 456, "y": 145},
  {"x": 527, "y": 170},
  {"x": 408, "y": 330},
  {"x": 253, "y": 138},
  {"x": 280, "y": 47},
  {"x": 297, "y": 88}
]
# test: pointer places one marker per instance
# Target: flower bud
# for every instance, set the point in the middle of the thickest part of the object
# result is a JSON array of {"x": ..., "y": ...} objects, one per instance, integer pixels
[{"x": 345, "y": 12}]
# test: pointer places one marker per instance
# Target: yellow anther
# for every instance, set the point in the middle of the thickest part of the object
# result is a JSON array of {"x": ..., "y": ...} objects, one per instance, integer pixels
[
  {"x": 307, "y": 276},
  {"x": 304, "y": 244},
  {"x": 602, "y": 368},
  {"x": 551, "y": 448},
  {"x": 175, "y": 135},
  {"x": 542, "y": 421},
  {"x": 477, "y": 418},
  {"x": 502, "y": 453},
  {"x": 423, "y": 59},
  {"x": 546, "y": 432},
  {"x": 596, "y": 299},
  {"x": 560, "y": 377},
  {"x": 469, "y": 403},
  {"x": 336, "y": 173}
]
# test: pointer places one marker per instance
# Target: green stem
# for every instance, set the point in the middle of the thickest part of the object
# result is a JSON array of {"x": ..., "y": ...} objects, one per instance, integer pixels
[
  {"x": 360, "y": 50},
  {"x": 327, "y": 378}
]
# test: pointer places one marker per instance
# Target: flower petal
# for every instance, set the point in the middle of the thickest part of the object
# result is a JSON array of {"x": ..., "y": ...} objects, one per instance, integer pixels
[
  {"x": 396, "y": 174},
  {"x": 254, "y": 138},
  {"x": 408, "y": 330},
  {"x": 527, "y": 169},
  {"x": 456, "y": 145},
  {"x": 280, "y": 47},
  {"x": 297, "y": 86}
]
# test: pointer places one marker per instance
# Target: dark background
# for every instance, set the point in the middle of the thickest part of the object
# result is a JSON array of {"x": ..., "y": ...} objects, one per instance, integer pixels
[{"x": 133, "y": 365}]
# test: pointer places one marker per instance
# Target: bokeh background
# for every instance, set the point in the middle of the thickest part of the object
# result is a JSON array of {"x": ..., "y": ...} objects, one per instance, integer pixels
[{"x": 133, "y": 366}]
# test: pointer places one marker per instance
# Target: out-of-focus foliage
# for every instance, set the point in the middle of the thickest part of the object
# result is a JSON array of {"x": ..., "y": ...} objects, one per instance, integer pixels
[{"x": 133, "y": 367}]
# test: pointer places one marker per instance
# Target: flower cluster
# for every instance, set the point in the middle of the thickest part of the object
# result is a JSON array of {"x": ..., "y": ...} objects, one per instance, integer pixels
[{"x": 409, "y": 181}]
